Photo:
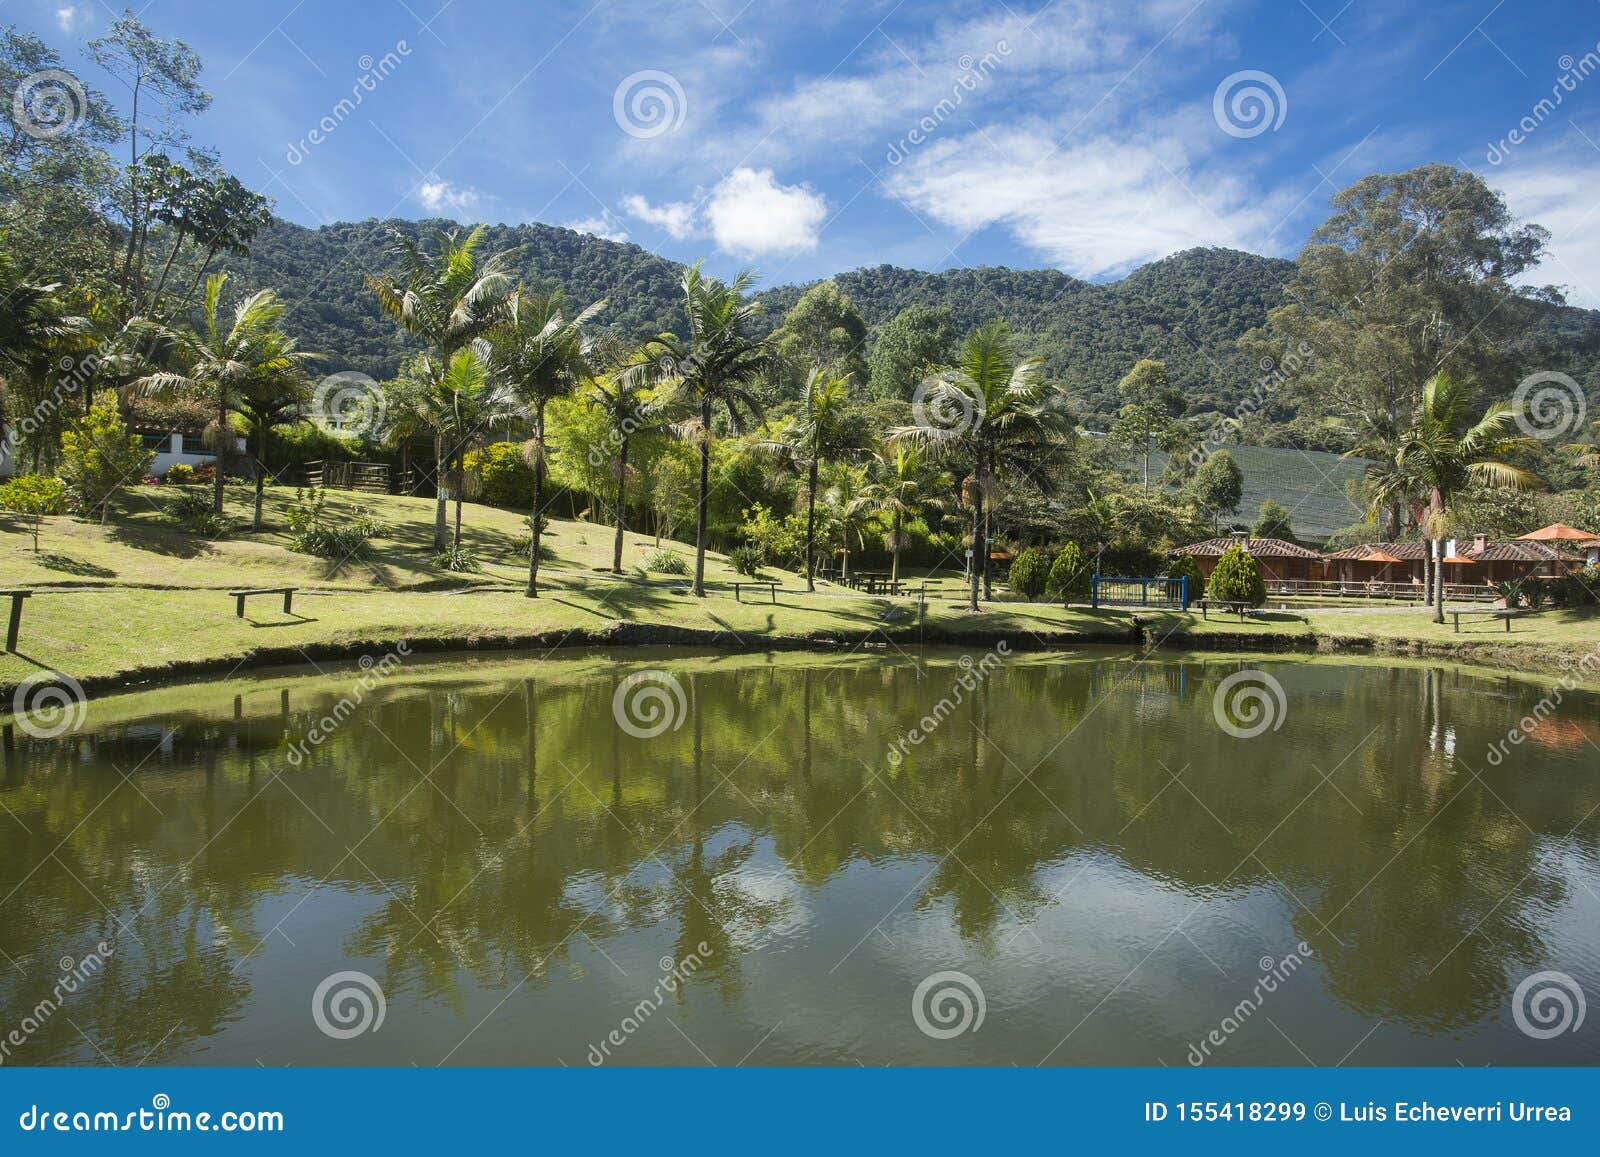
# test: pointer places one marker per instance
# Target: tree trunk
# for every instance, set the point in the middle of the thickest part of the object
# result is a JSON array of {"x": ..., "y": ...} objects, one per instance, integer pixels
[
  {"x": 439, "y": 496},
  {"x": 455, "y": 493},
  {"x": 811, "y": 524},
  {"x": 222, "y": 444},
  {"x": 177, "y": 244},
  {"x": 700, "y": 506},
  {"x": 261, "y": 480},
  {"x": 894, "y": 565},
  {"x": 1436, "y": 503},
  {"x": 977, "y": 536},
  {"x": 622, "y": 498},
  {"x": 538, "y": 503}
]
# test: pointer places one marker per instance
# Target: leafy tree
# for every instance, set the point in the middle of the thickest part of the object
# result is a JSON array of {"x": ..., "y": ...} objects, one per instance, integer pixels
[
  {"x": 1218, "y": 484},
  {"x": 1029, "y": 572},
  {"x": 1185, "y": 567},
  {"x": 1069, "y": 575},
  {"x": 446, "y": 298},
  {"x": 226, "y": 362},
  {"x": 1272, "y": 521},
  {"x": 31, "y": 497},
  {"x": 994, "y": 414},
  {"x": 100, "y": 456},
  {"x": 713, "y": 371},
  {"x": 825, "y": 330},
  {"x": 1237, "y": 579},
  {"x": 1146, "y": 417},
  {"x": 909, "y": 347},
  {"x": 540, "y": 351}
]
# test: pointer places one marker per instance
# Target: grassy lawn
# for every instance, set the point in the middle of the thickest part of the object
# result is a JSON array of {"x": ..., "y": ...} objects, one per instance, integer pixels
[{"x": 138, "y": 599}]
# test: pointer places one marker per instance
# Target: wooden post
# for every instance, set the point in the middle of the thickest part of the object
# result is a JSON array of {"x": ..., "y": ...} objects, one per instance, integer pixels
[{"x": 16, "y": 619}]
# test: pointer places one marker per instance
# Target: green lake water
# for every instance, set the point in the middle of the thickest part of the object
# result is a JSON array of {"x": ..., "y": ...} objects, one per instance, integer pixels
[{"x": 877, "y": 859}]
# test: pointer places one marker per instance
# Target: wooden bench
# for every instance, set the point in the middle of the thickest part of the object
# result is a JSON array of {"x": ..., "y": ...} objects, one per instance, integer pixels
[
  {"x": 1239, "y": 608},
  {"x": 15, "y": 624},
  {"x": 239, "y": 596},
  {"x": 1497, "y": 612},
  {"x": 772, "y": 589}
]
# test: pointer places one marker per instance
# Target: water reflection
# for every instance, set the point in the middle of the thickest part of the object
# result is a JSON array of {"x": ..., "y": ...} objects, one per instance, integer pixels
[{"x": 1080, "y": 836}]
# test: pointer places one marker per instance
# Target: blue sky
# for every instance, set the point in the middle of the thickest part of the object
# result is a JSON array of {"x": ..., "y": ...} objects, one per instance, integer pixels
[{"x": 807, "y": 138}]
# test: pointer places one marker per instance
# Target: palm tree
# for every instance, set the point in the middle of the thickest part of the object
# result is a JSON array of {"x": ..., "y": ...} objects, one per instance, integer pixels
[
  {"x": 820, "y": 431},
  {"x": 901, "y": 493},
  {"x": 448, "y": 299},
  {"x": 850, "y": 508},
  {"x": 621, "y": 395},
  {"x": 1445, "y": 459},
  {"x": 995, "y": 414},
  {"x": 228, "y": 362},
  {"x": 540, "y": 353},
  {"x": 275, "y": 401},
  {"x": 36, "y": 327},
  {"x": 462, "y": 403},
  {"x": 713, "y": 371},
  {"x": 1586, "y": 453}
]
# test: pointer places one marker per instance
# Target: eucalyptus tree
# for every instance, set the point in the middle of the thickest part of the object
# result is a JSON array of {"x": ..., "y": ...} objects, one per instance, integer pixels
[
  {"x": 447, "y": 298},
  {"x": 540, "y": 352},
  {"x": 624, "y": 395},
  {"x": 1446, "y": 455},
  {"x": 713, "y": 373},
  {"x": 994, "y": 414},
  {"x": 902, "y": 491},
  {"x": 821, "y": 430},
  {"x": 225, "y": 357}
]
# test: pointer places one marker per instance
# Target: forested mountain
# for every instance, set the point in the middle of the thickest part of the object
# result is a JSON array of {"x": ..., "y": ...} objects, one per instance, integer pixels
[{"x": 1189, "y": 309}]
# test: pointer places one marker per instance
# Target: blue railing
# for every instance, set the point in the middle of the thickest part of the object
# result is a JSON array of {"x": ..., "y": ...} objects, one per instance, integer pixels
[{"x": 1162, "y": 593}]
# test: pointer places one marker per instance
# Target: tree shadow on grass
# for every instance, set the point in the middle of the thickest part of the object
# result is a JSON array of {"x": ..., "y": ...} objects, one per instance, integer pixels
[
  {"x": 168, "y": 542},
  {"x": 74, "y": 566}
]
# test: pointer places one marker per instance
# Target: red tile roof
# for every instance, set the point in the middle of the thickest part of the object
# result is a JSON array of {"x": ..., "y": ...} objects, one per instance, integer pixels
[{"x": 1255, "y": 547}]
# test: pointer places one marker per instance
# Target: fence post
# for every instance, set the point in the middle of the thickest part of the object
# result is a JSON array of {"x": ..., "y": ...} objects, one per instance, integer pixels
[{"x": 1094, "y": 592}]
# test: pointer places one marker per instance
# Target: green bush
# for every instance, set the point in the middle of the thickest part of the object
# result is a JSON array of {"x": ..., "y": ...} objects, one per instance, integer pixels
[
  {"x": 1237, "y": 579},
  {"x": 312, "y": 530},
  {"x": 1577, "y": 590},
  {"x": 667, "y": 562},
  {"x": 1184, "y": 566},
  {"x": 31, "y": 497},
  {"x": 747, "y": 559},
  {"x": 99, "y": 456},
  {"x": 193, "y": 511},
  {"x": 504, "y": 476},
  {"x": 459, "y": 559},
  {"x": 1069, "y": 575},
  {"x": 1029, "y": 571},
  {"x": 179, "y": 474}
]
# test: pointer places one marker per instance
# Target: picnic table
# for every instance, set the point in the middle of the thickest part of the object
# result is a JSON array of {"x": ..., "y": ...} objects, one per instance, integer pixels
[{"x": 772, "y": 589}]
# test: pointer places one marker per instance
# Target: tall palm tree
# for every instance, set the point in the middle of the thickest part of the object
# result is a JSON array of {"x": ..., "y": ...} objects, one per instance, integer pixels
[
  {"x": 277, "y": 400},
  {"x": 462, "y": 403},
  {"x": 448, "y": 298},
  {"x": 540, "y": 351},
  {"x": 820, "y": 431},
  {"x": 713, "y": 372},
  {"x": 850, "y": 508},
  {"x": 995, "y": 414},
  {"x": 901, "y": 493},
  {"x": 1445, "y": 455},
  {"x": 226, "y": 358},
  {"x": 622, "y": 394}
]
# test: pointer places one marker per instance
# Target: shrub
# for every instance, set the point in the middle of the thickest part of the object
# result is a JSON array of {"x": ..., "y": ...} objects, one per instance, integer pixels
[
  {"x": 504, "y": 476},
  {"x": 779, "y": 540},
  {"x": 667, "y": 562},
  {"x": 1577, "y": 590},
  {"x": 311, "y": 530},
  {"x": 193, "y": 511},
  {"x": 747, "y": 559},
  {"x": 31, "y": 497},
  {"x": 1237, "y": 579},
  {"x": 1069, "y": 575},
  {"x": 99, "y": 455},
  {"x": 180, "y": 474},
  {"x": 460, "y": 559},
  {"x": 1029, "y": 571},
  {"x": 1184, "y": 566}
]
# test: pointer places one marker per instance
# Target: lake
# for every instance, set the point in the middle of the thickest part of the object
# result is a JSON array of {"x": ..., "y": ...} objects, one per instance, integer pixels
[{"x": 663, "y": 858}]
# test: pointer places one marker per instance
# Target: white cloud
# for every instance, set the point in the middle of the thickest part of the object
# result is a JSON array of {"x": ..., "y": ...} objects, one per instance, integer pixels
[
  {"x": 1560, "y": 195},
  {"x": 676, "y": 218},
  {"x": 605, "y": 225},
  {"x": 751, "y": 214},
  {"x": 439, "y": 195},
  {"x": 70, "y": 16},
  {"x": 1096, "y": 208}
]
